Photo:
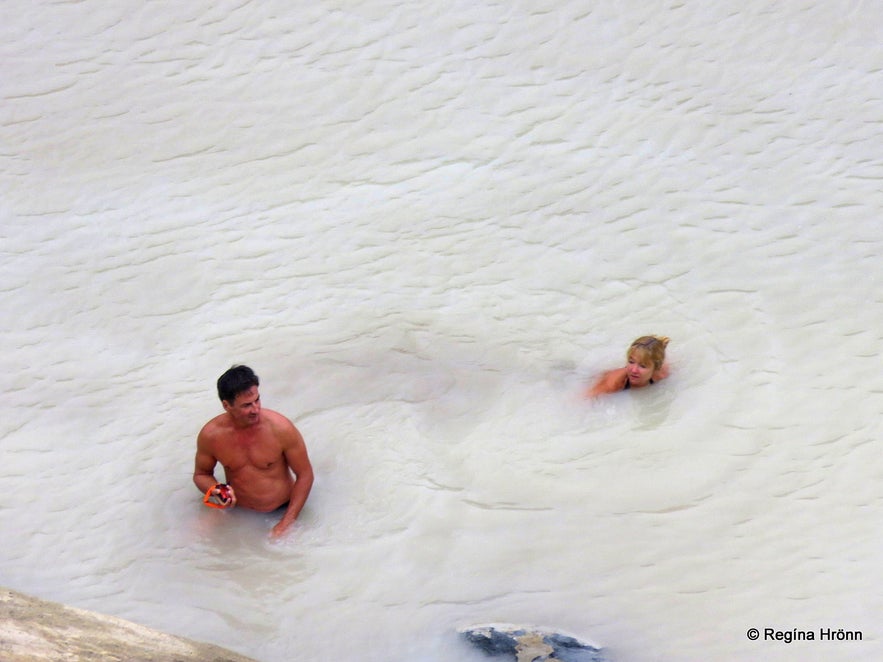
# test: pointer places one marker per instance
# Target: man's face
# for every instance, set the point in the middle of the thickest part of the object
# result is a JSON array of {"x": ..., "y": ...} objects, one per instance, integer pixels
[{"x": 246, "y": 408}]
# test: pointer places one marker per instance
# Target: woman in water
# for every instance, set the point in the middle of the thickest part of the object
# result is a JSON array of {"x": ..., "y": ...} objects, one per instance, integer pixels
[{"x": 646, "y": 365}]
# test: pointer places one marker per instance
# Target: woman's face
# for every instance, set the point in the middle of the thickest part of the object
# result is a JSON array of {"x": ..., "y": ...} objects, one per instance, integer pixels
[{"x": 640, "y": 369}]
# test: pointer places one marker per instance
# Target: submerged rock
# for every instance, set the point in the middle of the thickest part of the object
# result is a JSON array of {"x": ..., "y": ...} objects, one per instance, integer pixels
[
  {"x": 530, "y": 644},
  {"x": 33, "y": 630}
]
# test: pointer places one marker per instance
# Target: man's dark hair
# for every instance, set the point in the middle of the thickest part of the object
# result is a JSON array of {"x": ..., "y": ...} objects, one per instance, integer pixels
[{"x": 236, "y": 380}]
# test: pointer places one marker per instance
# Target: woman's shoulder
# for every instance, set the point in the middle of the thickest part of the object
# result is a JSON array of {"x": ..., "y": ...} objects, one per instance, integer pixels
[{"x": 610, "y": 381}]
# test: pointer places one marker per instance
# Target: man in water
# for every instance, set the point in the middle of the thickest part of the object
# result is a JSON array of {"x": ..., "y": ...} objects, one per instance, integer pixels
[{"x": 259, "y": 450}]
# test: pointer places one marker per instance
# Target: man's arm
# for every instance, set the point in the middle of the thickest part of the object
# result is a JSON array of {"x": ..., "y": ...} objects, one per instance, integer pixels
[
  {"x": 204, "y": 465},
  {"x": 295, "y": 451},
  {"x": 204, "y": 470}
]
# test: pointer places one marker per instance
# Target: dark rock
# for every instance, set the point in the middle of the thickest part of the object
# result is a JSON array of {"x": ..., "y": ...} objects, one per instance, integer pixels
[{"x": 530, "y": 644}]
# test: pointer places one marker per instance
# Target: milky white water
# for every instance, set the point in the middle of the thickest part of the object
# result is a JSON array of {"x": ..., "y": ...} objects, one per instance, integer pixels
[{"x": 426, "y": 226}]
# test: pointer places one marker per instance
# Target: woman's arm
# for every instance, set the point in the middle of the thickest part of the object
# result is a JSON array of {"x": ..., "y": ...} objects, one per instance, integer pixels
[{"x": 610, "y": 382}]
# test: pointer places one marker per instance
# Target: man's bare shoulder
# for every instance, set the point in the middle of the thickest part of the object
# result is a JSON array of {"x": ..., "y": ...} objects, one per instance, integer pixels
[
  {"x": 216, "y": 427},
  {"x": 277, "y": 420},
  {"x": 282, "y": 427}
]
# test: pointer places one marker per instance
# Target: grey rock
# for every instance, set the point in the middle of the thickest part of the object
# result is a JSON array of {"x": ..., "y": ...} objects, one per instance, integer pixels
[
  {"x": 531, "y": 644},
  {"x": 33, "y": 630}
]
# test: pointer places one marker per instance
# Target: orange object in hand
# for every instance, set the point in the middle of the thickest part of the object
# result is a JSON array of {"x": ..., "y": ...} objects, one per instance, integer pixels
[{"x": 222, "y": 499}]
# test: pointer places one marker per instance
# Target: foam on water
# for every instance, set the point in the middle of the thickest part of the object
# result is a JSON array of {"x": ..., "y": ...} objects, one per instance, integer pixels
[{"x": 427, "y": 228}]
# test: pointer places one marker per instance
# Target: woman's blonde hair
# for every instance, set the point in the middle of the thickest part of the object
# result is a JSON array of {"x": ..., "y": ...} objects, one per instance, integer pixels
[{"x": 653, "y": 347}]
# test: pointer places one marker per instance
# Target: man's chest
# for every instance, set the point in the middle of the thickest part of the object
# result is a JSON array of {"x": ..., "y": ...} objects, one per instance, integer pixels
[{"x": 257, "y": 453}]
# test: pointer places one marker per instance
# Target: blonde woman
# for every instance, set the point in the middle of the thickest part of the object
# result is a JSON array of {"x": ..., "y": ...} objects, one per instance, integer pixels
[{"x": 646, "y": 365}]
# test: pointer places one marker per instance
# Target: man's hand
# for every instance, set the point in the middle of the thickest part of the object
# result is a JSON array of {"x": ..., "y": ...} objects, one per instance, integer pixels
[
  {"x": 228, "y": 495},
  {"x": 278, "y": 532},
  {"x": 220, "y": 495}
]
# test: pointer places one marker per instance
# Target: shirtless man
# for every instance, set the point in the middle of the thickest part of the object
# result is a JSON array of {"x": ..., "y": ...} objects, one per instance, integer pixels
[{"x": 259, "y": 450}]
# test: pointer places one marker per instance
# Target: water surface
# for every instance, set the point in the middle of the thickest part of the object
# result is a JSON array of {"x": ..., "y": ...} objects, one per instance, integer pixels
[{"x": 426, "y": 228}]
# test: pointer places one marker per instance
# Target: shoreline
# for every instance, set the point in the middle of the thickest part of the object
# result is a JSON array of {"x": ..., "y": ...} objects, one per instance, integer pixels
[{"x": 32, "y": 629}]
